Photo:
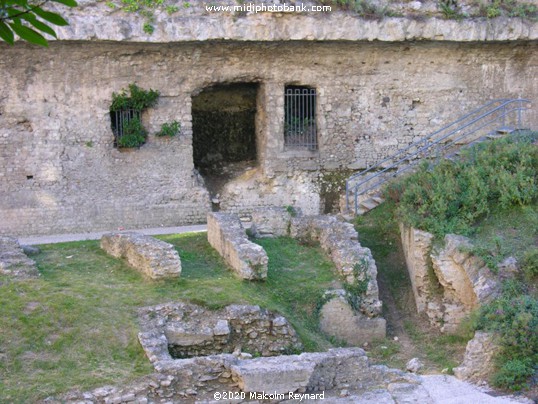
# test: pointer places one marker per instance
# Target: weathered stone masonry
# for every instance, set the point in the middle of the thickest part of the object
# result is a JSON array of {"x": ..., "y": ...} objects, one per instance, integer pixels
[{"x": 59, "y": 171}]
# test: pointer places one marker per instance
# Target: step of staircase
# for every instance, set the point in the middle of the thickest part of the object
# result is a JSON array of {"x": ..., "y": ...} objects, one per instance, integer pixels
[{"x": 369, "y": 204}]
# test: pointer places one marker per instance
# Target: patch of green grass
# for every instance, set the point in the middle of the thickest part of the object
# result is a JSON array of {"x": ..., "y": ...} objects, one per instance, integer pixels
[
  {"x": 386, "y": 352},
  {"x": 505, "y": 233},
  {"x": 442, "y": 349},
  {"x": 378, "y": 230},
  {"x": 76, "y": 326}
]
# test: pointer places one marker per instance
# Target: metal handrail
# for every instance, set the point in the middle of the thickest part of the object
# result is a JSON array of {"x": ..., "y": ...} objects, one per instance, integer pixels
[{"x": 427, "y": 145}]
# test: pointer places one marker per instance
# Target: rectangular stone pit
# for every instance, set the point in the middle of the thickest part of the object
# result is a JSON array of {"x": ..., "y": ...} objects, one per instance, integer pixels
[{"x": 154, "y": 258}]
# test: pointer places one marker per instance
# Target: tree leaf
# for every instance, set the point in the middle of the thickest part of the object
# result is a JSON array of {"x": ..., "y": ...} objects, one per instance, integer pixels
[
  {"x": 6, "y": 33},
  {"x": 53, "y": 18},
  {"x": 68, "y": 3},
  {"x": 29, "y": 34},
  {"x": 39, "y": 25}
]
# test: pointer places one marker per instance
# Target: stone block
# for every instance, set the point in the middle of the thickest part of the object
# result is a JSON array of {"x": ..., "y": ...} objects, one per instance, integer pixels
[
  {"x": 226, "y": 234},
  {"x": 280, "y": 375},
  {"x": 154, "y": 258},
  {"x": 338, "y": 319},
  {"x": 478, "y": 362},
  {"x": 14, "y": 262}
]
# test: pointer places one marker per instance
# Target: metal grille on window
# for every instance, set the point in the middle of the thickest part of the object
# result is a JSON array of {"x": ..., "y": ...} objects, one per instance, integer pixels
[
  {"x": 120, "y": 119},
  {"x": 300, "y": 117}
]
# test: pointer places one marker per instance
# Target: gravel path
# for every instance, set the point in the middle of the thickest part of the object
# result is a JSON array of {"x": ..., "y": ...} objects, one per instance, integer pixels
[{"x": 62, "y": 238}]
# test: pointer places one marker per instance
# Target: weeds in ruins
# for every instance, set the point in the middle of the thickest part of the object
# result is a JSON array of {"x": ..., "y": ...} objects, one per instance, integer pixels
[
  {"x": 379, "y": 231},
  {"x": 494, "y": 199},
  {"x": 76, "y": 326}
]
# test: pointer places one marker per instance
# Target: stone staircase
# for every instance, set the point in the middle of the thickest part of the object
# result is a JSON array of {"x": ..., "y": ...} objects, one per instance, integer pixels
[{"x": 493, "y": 120}]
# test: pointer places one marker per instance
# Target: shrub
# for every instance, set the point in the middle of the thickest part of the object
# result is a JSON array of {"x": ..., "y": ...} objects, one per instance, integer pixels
[
  {"x": 134, "y": 134},
  {"x": 169, "y": 129},
  {"x": 452, "y": 196},
  {"x": 137, "y": 99},
  {"x": 514, "y": 317},
  {"x": 530, "y": 264}
]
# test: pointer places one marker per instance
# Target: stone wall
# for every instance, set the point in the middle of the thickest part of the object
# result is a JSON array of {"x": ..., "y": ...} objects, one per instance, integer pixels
[
  {"x": 226, "y": 234},
  {"x": 342, "y": 375},
  {"x": 182, "y": 330},
  {"x": 154, "y": 258},
  {"x": 61, "y": 173}
]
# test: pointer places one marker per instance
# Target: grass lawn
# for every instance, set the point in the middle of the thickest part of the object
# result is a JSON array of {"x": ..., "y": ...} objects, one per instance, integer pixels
[{"x": 76, "y": 327}]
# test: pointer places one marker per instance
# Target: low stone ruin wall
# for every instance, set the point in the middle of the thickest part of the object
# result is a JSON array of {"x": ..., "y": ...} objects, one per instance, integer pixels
[
  {"x": 354, "y": 264},
  {"x": 154, "y": 258},
  {"x": 14, "y": 262},
  {"x": 448, "y": 281},
  {"x": 226, "y": 234},
  {"x": 182, "y": 330},
  {"x": 341, "y": 375}
]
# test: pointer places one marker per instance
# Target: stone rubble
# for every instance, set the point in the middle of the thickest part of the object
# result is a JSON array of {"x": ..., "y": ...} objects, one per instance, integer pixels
[
  {"x": 154, "y": 258},
  {"x": 14, "y": 262}
]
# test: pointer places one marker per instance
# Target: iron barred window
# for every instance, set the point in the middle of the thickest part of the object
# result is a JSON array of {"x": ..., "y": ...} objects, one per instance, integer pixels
[
  {"x": 121, "y": 120},
  {"x": 300, "y": 117}
]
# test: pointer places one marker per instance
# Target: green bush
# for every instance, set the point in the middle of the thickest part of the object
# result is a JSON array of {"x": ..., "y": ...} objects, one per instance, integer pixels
[
  {"x": 530, "y": 264},
  {"x": 137, "y": 99},
  {"x": 514, "y": 317},
  {"x": 452, "y": 196},
  {"x": 169, "y": 129},
  {"x": 134, "y": 134}
]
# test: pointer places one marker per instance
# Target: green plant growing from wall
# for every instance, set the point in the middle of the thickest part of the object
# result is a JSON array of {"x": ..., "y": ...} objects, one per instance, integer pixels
[
  {"x": 169, "y": 129},
  {"x": 134, "y": 134},
  {"x": 127, "y": 105},
  {"x": 146, "y": 9},
  {"x": 356, "y": 290}
]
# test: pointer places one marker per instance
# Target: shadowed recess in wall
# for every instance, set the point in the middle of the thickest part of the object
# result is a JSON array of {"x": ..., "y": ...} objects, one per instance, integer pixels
[
  {"x": 224, "y": 132},
  {"x": 224, "y": 126}
]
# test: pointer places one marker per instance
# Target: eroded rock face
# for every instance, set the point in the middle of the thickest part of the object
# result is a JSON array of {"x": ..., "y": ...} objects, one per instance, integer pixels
[
  {"x": 197, "y": 23},
  {"x": 478, "y": 362},
  {"x": 14, "y": 262},
  {"x": 448, "y": 281},
  {"x": 182, "y": 330},
  {"x": 154, "y": 258},
  {"x": 465, "y": 277},
  {"x": 226, "y": 234}
]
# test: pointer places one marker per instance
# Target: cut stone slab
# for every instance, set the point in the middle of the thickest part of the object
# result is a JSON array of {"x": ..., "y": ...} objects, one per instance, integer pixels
[
  {"x": 280, "y": 374},
  {"x": 154, "y": 258},
  {"x": 14, "y": 262},
  {"x": 339, "y": 320},
  {"x": 226, "y": 234}
]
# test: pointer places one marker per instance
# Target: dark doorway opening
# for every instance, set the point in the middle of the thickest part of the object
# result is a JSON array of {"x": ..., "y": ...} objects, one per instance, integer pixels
[{"x": 224, "y": 132}]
